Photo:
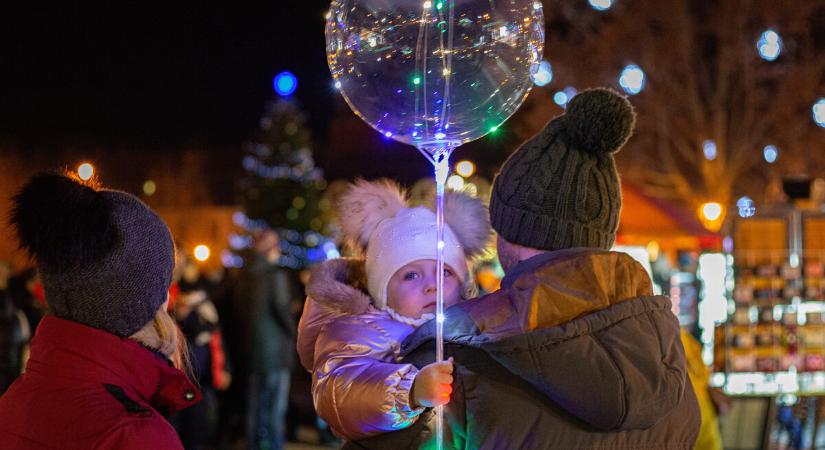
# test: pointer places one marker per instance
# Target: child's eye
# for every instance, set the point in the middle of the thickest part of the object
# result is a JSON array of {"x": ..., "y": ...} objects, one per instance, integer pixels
[
  {"x": 411, "y": 275},
  {"x": 448, "y": 273}
]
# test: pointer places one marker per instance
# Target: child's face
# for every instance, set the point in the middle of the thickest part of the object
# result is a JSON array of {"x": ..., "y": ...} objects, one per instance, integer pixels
[{"x": 412, "y": 289}]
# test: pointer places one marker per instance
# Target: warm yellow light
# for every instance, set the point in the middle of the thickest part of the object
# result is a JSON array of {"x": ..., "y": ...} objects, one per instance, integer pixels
[
  {"x": 85, "y": 171},
  {"x": 455, "y": 182},
  {"x": 712, "y": 211},
  {"x": 465, "y": 168},
  {"x": 428, "y": 5},
  {"x": 149, "y": 187},
  {"x": 712, "y": 215},
  {"x": 653, "y": 250},
  {"x": 201, "y": 252}
]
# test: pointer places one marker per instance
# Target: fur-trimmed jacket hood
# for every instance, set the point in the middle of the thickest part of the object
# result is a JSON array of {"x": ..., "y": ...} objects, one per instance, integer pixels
[{"x": 336, "y": 288}]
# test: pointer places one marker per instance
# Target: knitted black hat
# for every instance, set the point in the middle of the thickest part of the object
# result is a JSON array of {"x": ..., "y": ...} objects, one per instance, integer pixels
[
  {"x": 560, "y": 189},
  {"x": 105, "y": 258}
]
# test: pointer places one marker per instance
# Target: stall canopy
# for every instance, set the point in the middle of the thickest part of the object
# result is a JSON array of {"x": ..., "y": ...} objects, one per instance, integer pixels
[{"x": 646, "y": 219}]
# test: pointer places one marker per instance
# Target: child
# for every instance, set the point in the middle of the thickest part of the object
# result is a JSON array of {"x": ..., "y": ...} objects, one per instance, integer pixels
[{"x": 350, "y": 341}]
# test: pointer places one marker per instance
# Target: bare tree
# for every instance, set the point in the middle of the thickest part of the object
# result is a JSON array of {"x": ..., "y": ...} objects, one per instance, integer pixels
[{"x": 705, "y": 81}]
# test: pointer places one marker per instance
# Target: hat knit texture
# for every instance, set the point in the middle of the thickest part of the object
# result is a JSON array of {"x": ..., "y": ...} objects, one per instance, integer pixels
[
  {"x": 560, "y": 189},
  {"x": 105, "y": 258}
]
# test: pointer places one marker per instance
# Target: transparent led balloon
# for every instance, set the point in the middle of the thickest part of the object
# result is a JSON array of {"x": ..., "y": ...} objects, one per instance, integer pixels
[{"x": 434, "y": 73}]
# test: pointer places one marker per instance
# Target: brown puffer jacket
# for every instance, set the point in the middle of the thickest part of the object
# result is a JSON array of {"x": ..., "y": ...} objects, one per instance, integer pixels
[{"x": 574, "y": 352}]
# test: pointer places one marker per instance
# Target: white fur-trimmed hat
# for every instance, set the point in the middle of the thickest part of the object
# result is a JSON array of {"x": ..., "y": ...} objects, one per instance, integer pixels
[{"x": 376, "y": 216}]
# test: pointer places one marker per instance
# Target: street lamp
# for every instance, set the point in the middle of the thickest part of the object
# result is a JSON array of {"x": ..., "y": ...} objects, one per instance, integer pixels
[
  {"x": 465, "y": 168},
  {"x": 85, "y": 171},
  {"x": 201, "y": 253},
  {"x": 712, "y": 215}
]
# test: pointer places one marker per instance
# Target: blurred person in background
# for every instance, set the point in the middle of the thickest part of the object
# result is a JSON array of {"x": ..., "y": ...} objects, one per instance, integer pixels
[
  {"x": 27, "y": 294},
  {"x": 262, "y": 300},
  {"x": 14, "y": 333},
  {"x": 197, "y": 317}
]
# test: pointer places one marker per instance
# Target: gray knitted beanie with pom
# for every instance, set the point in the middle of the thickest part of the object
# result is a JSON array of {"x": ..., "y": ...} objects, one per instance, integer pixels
[
  {"x": 560, "y": 189},
  {"x": 105, "y": 258}
]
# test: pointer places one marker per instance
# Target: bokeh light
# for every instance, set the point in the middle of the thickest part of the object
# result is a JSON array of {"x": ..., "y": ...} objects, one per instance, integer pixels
[
  {"x": 819, "y": 112},
  {"x": 769, "y": 45},
  {"x": 201, "y": 252},
  {"x": 465, "y": 168},
  {"x": 285, "y": 83},
  {"x": 632, "y": 79},
  {"x": 712, "y": 211},
  {"x": 600, "y": 5},
  {"x": 149, "y": 187},
  {"x": 85, "y": 171},
  {"x": 746, "y": 207},
  {"x": 544, "y": 74},
  {"x": 770, "y": 152},
  {"x": 709, "y": 149}
]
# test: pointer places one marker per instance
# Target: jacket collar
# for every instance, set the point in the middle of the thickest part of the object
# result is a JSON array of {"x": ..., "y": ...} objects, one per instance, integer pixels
[
  {"x": 534, "y": 262},
  {"x": 85, "y": 354}
]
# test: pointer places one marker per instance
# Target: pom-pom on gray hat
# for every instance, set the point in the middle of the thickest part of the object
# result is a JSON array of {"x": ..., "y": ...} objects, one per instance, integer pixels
[
  {"x": 105, "y": 258},
  {"x": 560, "y": 189}
]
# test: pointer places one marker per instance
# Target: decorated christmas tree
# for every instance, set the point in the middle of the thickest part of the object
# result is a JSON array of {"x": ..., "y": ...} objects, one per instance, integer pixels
[{"x": 282, "y": 188}]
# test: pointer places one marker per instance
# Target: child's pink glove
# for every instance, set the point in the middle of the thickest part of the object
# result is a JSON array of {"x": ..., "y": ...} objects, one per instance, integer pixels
[{"x": 433, "y": 384}]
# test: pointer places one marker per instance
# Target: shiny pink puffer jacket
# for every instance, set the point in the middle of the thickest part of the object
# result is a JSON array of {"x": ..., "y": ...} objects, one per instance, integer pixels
[{"x": 351, "y": 348}]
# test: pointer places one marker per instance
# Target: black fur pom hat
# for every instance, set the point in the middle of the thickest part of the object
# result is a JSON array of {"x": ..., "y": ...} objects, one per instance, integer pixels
[
  {"x": 105, "y": 258},
  {"x": 560, "y": 189}
]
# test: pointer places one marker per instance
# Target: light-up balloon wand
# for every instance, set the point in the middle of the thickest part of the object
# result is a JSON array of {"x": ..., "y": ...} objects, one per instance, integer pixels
[{"x": 435, "y": 74}]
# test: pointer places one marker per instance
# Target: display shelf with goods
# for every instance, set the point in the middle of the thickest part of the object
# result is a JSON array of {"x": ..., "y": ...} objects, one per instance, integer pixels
[{"x": 773, "y": 340}]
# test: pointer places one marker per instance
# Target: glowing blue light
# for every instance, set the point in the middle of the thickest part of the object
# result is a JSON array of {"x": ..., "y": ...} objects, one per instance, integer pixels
[
  {"x": 746, "y": 207},
  {"x": 632, "y": 79},
  {"x": 709, "y": 149},
  {"x": 819, "y": 112},
  {"x": 771, "y": 153},
  {"x": 440, "y": 135},
  {"x": 388, "y": 134},
  {"x": 285, "y": 83},
  {"x": 601, "y": 5},
  {"x": 543, "y": 75},
  {"x": 337, "y": 84},
  {"x": 560, "y": 98},
  {"x": 769, "y": 45}
]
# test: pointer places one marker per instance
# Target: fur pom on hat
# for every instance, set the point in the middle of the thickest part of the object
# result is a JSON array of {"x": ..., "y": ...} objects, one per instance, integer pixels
[
  {"x": 378, "y": 218},
  {"x": 365, "y": 205},
  {"x": 105, "y": 258}
]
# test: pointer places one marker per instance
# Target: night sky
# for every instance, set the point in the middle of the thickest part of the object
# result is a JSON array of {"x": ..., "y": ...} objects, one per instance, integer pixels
[
  {"x": 123, "y": 84},
  {"x": 154, "y": 75}
]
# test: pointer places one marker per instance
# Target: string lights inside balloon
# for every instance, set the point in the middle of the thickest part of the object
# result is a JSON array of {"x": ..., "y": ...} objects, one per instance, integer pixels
[{"x": 435, "y": 75}]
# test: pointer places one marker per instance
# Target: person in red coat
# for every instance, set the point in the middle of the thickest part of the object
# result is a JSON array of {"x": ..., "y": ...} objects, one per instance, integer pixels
[{"x": 105, "y": 362}]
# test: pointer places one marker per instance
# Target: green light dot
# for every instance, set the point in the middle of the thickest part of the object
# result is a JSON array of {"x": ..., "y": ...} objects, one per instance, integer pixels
[
  {"x": 494, "y": 129},
  {"x": 439, "y": 5},
  {"x": 417, "y": 80}
]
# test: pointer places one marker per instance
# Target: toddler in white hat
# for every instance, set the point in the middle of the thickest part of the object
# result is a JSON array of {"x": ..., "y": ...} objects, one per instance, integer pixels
[{"x": 358, "y": 311}]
